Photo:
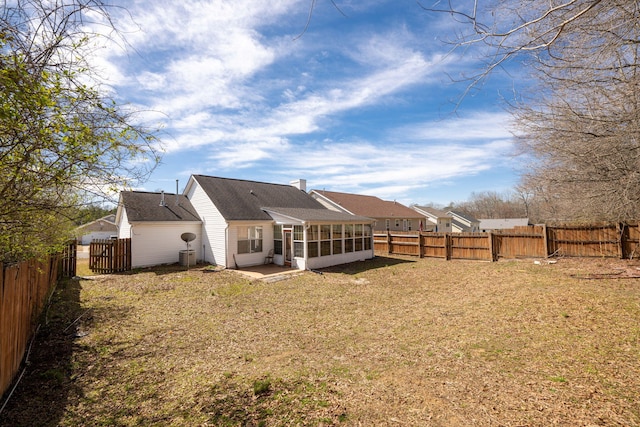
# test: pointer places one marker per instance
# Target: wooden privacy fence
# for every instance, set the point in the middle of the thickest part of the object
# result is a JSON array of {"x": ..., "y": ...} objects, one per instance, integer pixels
[
  {"x": 68, "y": 260},
  {"x": 24, "y": 288},
  {"x": 110, "y": 256},
  {"x": 541, "y": 241}
]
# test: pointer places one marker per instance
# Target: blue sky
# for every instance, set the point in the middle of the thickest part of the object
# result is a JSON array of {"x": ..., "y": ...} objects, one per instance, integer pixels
[{"x": 365, "y": 102}]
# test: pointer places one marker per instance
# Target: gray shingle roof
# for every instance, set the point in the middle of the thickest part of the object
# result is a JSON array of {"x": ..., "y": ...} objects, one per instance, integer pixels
[
  {"x": 145, "y": 206},
  {"x": 318, "y": 215},
  {"x": 238, "y": 199},
  {"x": 503, "y": 223}
]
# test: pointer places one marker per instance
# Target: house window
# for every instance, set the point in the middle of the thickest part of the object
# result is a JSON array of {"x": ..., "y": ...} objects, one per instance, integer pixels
[
  {"x": 409, "y": 225},
  {"x": 298, "y": 241},
  {"x": 249, "y": 240},
  {"x": 397, "y": 223},
  {"x": 277, "y": 239},
  {"x": 386, "y": 224}
]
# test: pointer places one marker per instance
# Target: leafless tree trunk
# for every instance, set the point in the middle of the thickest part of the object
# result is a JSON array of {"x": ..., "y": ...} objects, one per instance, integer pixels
[{"x": 580, "y": 123}]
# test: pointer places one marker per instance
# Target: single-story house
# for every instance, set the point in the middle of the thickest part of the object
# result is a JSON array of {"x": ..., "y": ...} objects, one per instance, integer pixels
[
  {"x": 155, "y": 223},
  {"x": 435, "y": 219},
  {"x": 487, "y": 225},
  {"x": 246, "y": 223},
  {"x": 103, "y": 228},
  {"x": 240, "y": 223},
  {"x": 392, "y": 216}
]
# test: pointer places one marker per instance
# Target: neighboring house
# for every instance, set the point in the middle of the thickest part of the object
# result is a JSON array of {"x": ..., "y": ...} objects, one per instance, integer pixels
[
  {"x": 155, "y": 223},
  {"x": 463, "y": 223},
  {"x": 388, "y": 215},
  {"x": 487, "y": 225},
  {"x": 103, "y": 228},
  {"x": 435, "y": 219},
  {"x": 244, "y": 222}
]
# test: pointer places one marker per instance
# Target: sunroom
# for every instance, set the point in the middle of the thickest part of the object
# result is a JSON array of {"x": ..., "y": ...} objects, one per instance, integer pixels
[{"x": 308, "y": 239}]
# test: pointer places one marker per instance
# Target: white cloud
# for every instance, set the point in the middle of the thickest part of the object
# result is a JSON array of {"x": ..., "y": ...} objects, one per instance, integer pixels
[
  {"x": 478, "y": 125},
  {"x": 230, "y": 84}
]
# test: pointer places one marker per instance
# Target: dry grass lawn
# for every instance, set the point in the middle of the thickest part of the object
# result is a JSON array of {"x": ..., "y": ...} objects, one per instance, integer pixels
[{"x": 391, "y": 341}]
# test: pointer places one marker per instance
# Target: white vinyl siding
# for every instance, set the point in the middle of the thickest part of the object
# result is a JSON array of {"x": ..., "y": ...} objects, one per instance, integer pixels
[
  {"x": 249, "y": 259},
  {"x": 156, "y": 243},
  {"x": 124, "y": 228},
  {"x": 214, "y": 227}
]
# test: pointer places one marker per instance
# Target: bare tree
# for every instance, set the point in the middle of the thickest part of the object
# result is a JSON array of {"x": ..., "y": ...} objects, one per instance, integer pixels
[
  {"x": 491, "y": 204},
  {"x": 59, "y": 134},
  {"x": 579, "y": 123}
]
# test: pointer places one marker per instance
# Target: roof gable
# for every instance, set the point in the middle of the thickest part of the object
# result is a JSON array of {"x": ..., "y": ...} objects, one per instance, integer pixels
[
  {"x": 368, "y": 206},
  {"x": 109, "y": 220},
  {"x": 432, "y": 212},
  {"x": 238, "y": 199},
  {"x": 145, "y": 206},
  {"x": 462, "y": 216}
]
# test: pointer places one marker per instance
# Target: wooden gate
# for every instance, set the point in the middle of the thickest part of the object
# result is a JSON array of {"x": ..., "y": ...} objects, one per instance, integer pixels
[
  {"x": 68, "y": 260},
  {"x": 110, "y": 256}
]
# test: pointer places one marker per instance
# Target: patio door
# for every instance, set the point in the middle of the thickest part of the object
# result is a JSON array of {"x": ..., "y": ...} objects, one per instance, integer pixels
[{"x": 288, "y": 247}]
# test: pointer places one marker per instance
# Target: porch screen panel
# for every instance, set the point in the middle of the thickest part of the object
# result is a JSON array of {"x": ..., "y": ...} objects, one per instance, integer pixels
[
  {"x": 348, "y": 238},
  {"x": 358, "y": 238},
  {"x": 325, "y": 240},
  {"x": 312, "y": 241},
  {"x": 337, "y": 239},
  {"x": 367, "y": 237}
]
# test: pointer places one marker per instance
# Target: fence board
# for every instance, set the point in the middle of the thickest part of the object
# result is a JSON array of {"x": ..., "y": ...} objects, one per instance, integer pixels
[
  {"x": 24, "y": 288},
  {"x": 68, "y": 260},
  {"x": 597, "y": 240},
  {"x": 585, "y": 241},
  {"x": 471, "y": 246},
  {"x": 514, "y": 245},
  {"x": 434, "y": 245},
  {"x": 630, "y": 240},
  {"x": 110, "y": 256}
]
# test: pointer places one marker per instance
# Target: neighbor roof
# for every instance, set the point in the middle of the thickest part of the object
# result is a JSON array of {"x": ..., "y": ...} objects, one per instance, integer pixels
[
  {"x": 433, "y": 211},
  {"x": 462, "y": 215},
  {"x": 503, "y": 223},
  {"x": 238, "y": 199},
  {"x": 369, "y": 206},
  {"x": 145, "y": 206},
  {"x": 108, "y": 220}
]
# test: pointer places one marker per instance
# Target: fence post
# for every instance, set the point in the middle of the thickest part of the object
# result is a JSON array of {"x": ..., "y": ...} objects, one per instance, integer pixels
[
  {"x": 494, "y": 256},
  {"x": 447, "y": 246},
  {"x": 545, "y": 235},
  {"x": 620, "y": 229},
  {"x": 389, "y": 249},
  {"x": 420, "y": 245}
]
